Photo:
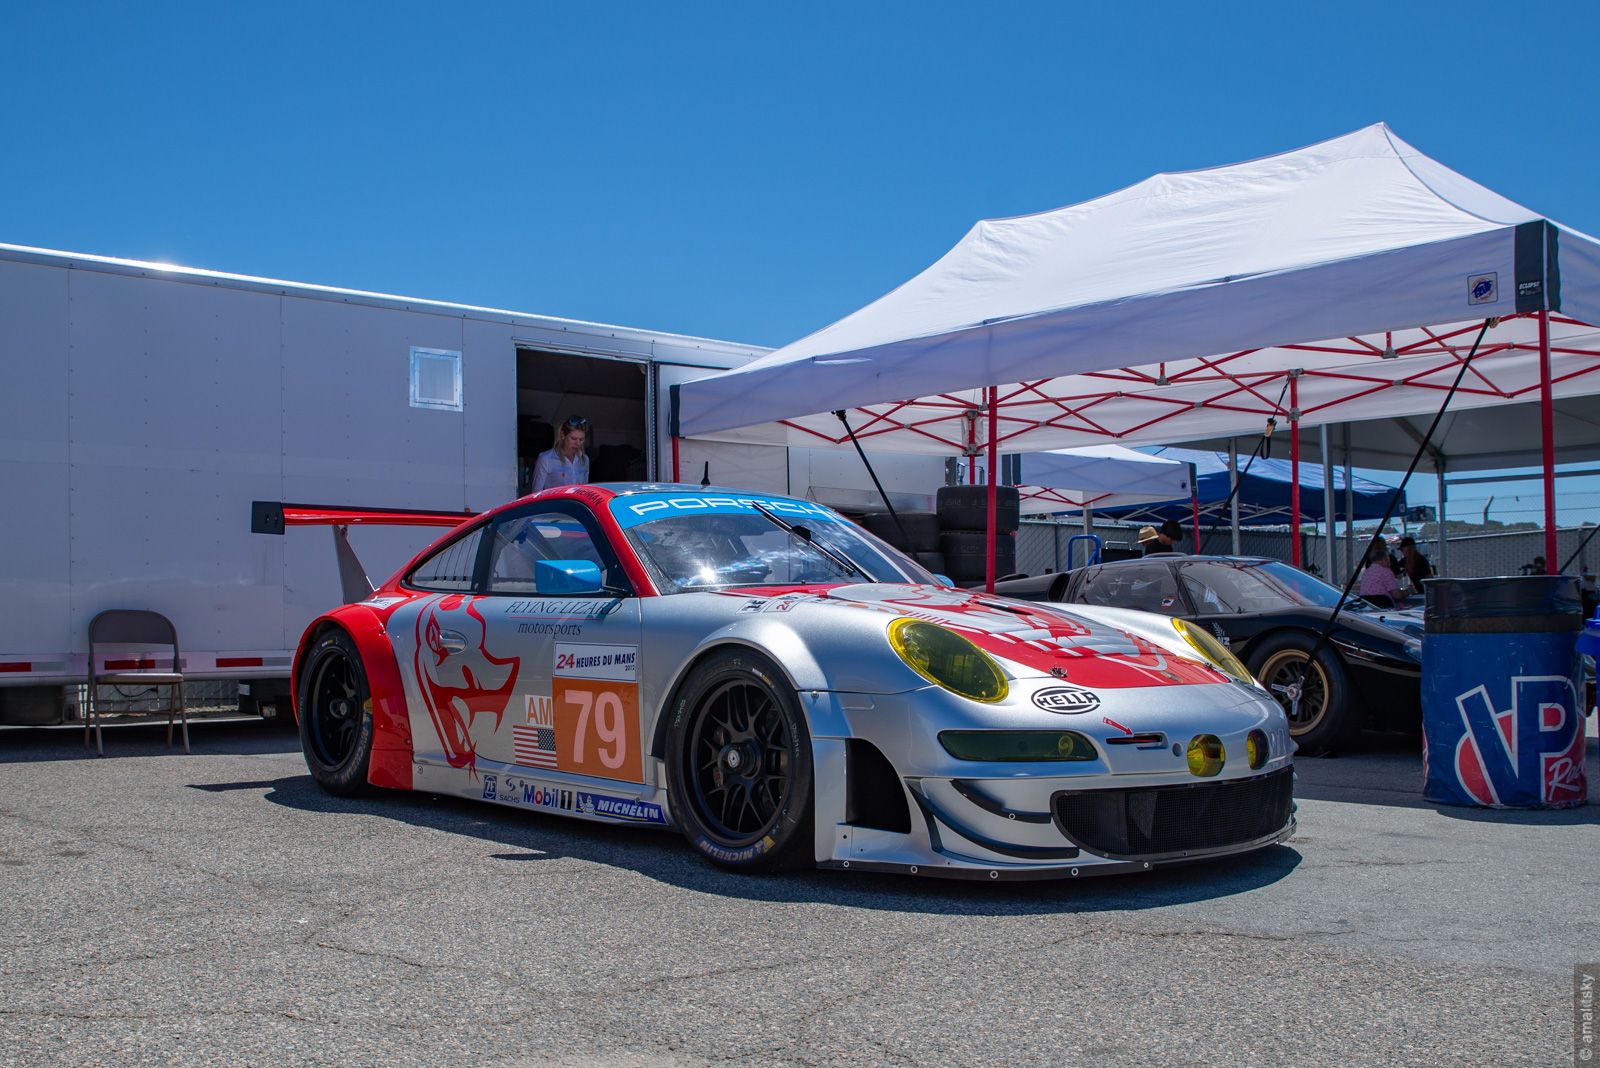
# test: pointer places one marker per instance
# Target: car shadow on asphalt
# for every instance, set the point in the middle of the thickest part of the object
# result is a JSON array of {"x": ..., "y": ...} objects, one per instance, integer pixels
[{"x": 532, "y": 837}]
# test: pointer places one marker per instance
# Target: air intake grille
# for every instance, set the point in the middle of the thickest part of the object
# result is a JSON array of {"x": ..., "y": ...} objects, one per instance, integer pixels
[{"x": 1176, "y": 819}]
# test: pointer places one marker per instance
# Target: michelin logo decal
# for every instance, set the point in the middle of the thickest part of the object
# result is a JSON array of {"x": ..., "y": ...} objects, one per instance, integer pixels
[{"x": 619, "y": 808}]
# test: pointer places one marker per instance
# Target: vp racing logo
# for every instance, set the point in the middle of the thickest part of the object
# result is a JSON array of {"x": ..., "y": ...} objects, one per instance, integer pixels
[{"x": 1067, "y": 700}]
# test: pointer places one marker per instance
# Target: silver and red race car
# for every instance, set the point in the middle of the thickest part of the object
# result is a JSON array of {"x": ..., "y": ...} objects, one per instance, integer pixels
[{"x": 786, "y": 690}]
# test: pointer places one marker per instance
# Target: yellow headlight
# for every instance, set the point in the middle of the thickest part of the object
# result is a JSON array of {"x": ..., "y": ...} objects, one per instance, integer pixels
[
  {"x": 946, "y": 659},
  {"x": 1206, "y": 755},
  {"x": 1213, "y": 651},
  {"x": 1257, "y": 749}
]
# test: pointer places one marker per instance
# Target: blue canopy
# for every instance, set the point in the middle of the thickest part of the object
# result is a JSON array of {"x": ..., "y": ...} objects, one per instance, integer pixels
[{"x": 1263, "y": 493}]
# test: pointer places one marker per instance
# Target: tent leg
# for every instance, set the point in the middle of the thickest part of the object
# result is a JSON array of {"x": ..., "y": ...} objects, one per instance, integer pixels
[
  {"x": 676, "y": 474},
  {"x": 1444, "y": 542},
  {"x": 994, "y": 474},
  {"x": 1294, "y": 468},
  {"x": 1547, "y": 434},
  {"x": 1194, "y": 514},
  {"x": 1349, "y": 505},
  {"x": 1233, "y": 488},
  {"x": 1327, "y": 503}
]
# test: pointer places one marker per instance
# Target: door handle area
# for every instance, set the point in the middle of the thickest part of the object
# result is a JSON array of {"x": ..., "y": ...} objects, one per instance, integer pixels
[{"x": 452, "y": 641}]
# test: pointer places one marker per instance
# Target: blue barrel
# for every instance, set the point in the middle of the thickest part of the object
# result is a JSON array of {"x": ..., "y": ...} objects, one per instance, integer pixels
[{"x": 1502, "y": 686}]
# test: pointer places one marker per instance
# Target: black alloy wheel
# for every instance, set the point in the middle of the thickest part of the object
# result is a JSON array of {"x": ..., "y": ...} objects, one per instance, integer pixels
[
  {"x": 336, "y": 715},
  {"x": 738, "y": 759},
  {"x": 739, "y": 773}
]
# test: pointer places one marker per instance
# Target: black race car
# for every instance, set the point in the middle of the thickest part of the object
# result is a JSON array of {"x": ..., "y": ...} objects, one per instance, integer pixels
[{"x": 1269, "y": 614}]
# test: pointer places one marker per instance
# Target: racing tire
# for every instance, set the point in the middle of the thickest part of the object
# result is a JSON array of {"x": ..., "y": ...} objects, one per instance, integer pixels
[
  {"x": 932, "y": 562},
  {"x": 335, "y": 705},
  {"x": 921, "y": 530},
  {"x": 739, "y": 770},
  {"x": 1326, "y": 718},
  {"x": 967, "y": 508},
  {"x": 966, "y": 554}
]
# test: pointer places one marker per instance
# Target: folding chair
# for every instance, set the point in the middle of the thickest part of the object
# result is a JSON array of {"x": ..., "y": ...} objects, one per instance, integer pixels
[{"x": 124, "y": 626}]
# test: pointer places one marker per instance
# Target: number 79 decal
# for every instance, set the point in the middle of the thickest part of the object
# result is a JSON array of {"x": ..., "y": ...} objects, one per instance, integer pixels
[{"x": 596, "y": 696}]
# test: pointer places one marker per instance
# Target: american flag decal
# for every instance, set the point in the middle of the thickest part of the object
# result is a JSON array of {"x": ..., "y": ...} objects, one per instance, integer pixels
[{"x": 534, "y": 743}]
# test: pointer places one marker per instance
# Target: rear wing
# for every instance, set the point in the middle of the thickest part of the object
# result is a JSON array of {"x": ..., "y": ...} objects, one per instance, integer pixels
[{"x": 274, "y": 517}]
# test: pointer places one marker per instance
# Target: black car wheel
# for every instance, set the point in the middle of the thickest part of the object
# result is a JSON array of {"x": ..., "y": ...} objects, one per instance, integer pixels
[
  {"x": 1316, "y": 701},
  {"x": 739, "y": 765},
  {"x": 336, "y": 715}
]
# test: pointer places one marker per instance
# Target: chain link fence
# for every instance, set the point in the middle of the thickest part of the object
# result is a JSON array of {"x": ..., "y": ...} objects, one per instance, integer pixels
[{"x": 1043, "y": 546}]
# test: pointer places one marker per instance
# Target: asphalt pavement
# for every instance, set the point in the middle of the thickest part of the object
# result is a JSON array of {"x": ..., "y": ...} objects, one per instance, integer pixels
[{"x": 218, "y": 908}]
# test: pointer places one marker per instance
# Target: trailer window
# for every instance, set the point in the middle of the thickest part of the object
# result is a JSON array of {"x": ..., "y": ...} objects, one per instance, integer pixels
[
  {"x": 436, "y": 379},
  {"x": 450, "y": 569}
]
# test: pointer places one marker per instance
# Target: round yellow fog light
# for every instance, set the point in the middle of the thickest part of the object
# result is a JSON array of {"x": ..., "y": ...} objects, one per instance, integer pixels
[
  {"x": 1205, "y": 755},
  {"x": 1256, "y": 749}
]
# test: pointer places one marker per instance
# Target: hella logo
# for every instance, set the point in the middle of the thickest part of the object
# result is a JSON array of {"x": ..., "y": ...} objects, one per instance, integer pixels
[{"x": 1066, "y": 700}]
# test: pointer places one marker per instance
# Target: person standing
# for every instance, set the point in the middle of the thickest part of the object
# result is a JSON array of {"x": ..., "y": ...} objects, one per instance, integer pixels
[
  {"x": 1167, "y": 538},
  {"x": 1416, "y": 566},
  {"x": 566, "y": 464}
]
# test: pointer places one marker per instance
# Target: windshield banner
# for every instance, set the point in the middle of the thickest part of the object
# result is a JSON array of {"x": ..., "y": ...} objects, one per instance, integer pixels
[{"x": 635, "y": 509}]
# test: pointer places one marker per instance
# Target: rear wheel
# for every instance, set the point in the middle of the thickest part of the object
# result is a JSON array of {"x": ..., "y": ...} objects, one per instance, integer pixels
[
  {"x": 336, "y": 715},
  {"x": 1315, "y": 696},
  {"x": 739, "y": 765}
]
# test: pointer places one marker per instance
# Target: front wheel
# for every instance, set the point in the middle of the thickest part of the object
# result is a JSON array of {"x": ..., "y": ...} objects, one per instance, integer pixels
[
  {"x": 1316, "y": 699},
  {"x": 739, "y": 765},
  {"x": 336, "y": 715}
]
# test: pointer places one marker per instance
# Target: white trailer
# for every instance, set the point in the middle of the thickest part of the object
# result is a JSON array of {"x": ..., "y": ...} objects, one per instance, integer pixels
[{"x": 143, "y": 407}]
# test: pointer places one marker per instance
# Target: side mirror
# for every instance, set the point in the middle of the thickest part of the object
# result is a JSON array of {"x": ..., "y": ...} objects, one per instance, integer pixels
[
  {"x": 945, "y": 580},
  {"x": 568, "y": 576}
]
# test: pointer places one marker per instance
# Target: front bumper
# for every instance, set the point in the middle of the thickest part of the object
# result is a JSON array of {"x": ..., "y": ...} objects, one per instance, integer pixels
[{"x": 1135, "y": 809}]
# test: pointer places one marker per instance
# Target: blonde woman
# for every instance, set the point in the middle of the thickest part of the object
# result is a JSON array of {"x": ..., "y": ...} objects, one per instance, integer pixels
[{"x": 566, "y": 464}]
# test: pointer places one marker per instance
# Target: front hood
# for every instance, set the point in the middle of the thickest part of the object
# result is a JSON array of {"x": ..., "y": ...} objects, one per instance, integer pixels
[{"x": 1030, "y": 641}]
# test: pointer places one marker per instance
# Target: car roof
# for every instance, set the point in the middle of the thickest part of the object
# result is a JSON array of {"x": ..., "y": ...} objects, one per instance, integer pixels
[{"x": 1186, "y": 556}]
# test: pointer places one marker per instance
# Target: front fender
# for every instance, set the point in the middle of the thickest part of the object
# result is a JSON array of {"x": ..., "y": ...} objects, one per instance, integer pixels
[{"x": 850, "y": 656}]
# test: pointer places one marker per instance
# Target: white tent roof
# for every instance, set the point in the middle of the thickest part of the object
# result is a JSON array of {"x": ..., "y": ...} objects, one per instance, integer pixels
[
  {"x": 1182, "y": 307},
  {"x": 1101, "y": 476}
]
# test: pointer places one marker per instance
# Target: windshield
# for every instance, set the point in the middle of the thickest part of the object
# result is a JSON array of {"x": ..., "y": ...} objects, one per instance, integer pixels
[
  {"x": 1227, "y": 587},
  {"x": 697, "y": 542}
]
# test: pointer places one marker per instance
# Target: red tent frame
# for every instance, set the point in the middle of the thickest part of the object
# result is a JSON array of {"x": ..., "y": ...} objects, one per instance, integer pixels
[{"x": 953, "y": 422}]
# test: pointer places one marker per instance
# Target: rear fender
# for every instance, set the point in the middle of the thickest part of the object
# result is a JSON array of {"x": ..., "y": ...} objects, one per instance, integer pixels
[{"x": 391, "y": 726}]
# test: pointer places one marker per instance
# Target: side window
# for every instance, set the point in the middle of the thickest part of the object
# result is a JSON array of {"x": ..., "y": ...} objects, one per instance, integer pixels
[
  {"x": 521, "y": 541},
  {"x": 1218, "y": 589},
  {"x": 1146, "y": 587},
  {"x": 450, "y": 569}
]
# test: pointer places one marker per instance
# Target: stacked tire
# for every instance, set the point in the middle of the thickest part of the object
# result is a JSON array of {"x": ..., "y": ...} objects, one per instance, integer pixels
[
  {"x": 964, "y": 523},
  {"x": 916, "y": 534}
]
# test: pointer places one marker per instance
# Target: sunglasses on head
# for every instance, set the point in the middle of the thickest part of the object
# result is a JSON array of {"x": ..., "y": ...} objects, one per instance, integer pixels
[{"x": 577, "y": 422}]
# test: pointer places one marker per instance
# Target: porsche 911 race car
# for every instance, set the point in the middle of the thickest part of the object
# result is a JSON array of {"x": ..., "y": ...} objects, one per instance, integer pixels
[{"x": 786, "y": 690}]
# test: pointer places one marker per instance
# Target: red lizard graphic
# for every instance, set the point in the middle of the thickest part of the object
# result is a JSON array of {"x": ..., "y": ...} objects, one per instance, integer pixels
[{"x": 448, "y": 700}]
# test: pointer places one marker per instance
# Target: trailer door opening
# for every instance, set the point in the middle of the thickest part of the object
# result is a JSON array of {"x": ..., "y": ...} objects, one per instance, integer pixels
[{"x": 610, "y": 393}]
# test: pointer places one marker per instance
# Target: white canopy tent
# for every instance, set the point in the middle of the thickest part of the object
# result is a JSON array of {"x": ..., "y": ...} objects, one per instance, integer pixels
[
  {"x": 1098, "y": 476},
  {"x": 1338, "y": 282}
]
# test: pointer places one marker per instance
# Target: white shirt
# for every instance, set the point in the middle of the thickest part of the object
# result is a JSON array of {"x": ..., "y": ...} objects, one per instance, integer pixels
[{"x": 553, "y": 469}]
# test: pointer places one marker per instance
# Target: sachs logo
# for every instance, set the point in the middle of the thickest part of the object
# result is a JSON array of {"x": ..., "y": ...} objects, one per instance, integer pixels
[{"x": 1068, "y": 700}]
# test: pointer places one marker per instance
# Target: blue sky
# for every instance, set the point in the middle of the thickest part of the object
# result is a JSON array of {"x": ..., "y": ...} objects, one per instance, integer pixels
[{"x": 744, "y": 171}]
